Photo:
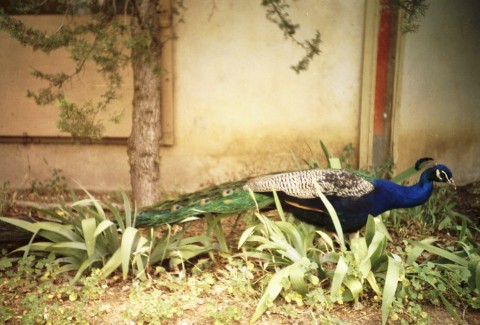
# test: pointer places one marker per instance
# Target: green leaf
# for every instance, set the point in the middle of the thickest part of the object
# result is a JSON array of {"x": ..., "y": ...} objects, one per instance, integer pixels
[
  {"x": 28, "y": 226},
  {"x": 373, "y": 283},
  {"x": 328, "y": 240},
  {"x": 245, "y": 236},
  {"x": 267, "y": 257},
  {"x": 359, "y": 248},
  {"x": 88, "y": 227},
  {"x": 325, "y": 153},
  {"x": 380, "y": 226},
  {"x": 138, "y": 258},
  {"x": 85, "y": 265},
  {"x": 441, "y": 252},
  {"x": 98, "y": 207},
  {"x": 334, "y": 163},
  {"x": 273, "y": 289},
  {"x": 214, "y": 223},
  {"x": 61, "y": 230},
  {"x": 332, "y": 257},
  {"x": 128, "y": 241},
  {"x": 113, "y": 263},
  {"x": 129, "y": 221},
  {"x": 333, "y": 215},
  {"x": 27, "y": 250},
  {"x": 294, "y": 236},
  {"x": 376, "y": 249},
  {"x": 450, "y": 308},
  {"x": 70, "y": 245},
  {"x": 391, "y": 283},
  {"x": 404, "y": 175},
  {"x": 188, "y": 219},
  {"x": 355, "y": 286},
  {"x": 417, "y": 250},
  {"x": 35, "y": 247},
  {"x": 370, "y": 229},
  {"x": 338, "y": 276},
  {"x": 278, "y": 205},
  {"x": 159, "y": 247},
  {"x": 105, "y": 224},
  {"x": 49, "y": 230},
  {"x": 66, "y": 268},
  {"x": 84, "y": 202},
  {"x": 474, "y": 280},
  {"x": 285, "y": 249},
  {"x": 116, "y": 216},
  {"x": 297, "y": 277}
]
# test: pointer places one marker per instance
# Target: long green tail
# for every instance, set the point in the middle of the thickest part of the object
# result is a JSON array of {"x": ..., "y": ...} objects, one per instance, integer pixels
[{"x": 228, "y": 198}]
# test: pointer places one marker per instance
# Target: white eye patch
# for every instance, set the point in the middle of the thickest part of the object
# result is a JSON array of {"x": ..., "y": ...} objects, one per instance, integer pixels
[{"x": 442, "y": 175}]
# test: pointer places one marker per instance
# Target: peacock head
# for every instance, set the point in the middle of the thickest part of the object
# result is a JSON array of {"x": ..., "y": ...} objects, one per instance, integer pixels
[{"x": 440, "y": 173}]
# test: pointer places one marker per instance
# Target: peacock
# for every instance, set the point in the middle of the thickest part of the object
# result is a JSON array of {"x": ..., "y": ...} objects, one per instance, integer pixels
[{"x": 354, "y": 196}]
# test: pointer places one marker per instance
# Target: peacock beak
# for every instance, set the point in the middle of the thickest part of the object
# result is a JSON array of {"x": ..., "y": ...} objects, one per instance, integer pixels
[{"x": 452, "y": 182}]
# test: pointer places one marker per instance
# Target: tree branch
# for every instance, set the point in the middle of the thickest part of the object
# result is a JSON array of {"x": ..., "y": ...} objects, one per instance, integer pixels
[{"x": 278, "y": 14}]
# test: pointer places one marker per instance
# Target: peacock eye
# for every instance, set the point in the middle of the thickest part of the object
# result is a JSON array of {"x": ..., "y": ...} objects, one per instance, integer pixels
[
  {"x": 176, "y": 207},
  {"x": 204, "y": 201},
  {"x": 445, "y": 176},
  {"x": 227, "y": 192}
]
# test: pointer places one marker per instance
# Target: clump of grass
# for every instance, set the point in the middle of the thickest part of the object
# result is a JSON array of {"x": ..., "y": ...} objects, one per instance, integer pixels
[
  {"x": 55, "y": 185},
  {"x": 88, "y": 239}
]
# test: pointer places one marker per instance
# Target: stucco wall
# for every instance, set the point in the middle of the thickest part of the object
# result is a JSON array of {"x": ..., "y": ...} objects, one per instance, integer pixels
[
  {"x": 99, "y": 167},
  {"x": 20, "y": 115},
  {"x": 239, "y": 109},
  {"x": 438, "y": 112},
  {"x": 96, "y": 167}
]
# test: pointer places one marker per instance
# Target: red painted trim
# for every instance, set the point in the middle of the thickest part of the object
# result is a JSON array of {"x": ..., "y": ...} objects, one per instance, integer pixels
[{"x": 382, "y": 71}]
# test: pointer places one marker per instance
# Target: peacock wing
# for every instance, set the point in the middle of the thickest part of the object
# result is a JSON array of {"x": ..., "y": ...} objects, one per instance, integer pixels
[{"x": 300, "y": 184}]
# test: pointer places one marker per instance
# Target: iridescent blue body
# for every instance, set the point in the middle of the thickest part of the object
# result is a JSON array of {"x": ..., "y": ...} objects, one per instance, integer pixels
[
  {"x": 353, "y": 197},
  {"x": 353, "y": 211}
]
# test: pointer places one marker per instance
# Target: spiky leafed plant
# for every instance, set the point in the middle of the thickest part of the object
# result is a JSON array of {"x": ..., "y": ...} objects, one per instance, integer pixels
[{"x": 88, "y": 239}]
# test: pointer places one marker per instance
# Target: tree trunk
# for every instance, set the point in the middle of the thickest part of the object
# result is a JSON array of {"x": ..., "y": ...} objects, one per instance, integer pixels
[{"x": 144, "y": 141}]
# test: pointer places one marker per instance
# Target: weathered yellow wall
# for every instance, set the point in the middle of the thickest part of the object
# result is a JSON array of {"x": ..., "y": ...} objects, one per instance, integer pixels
[
  {"x": 96, "y": 167},
  {"x": 239, "y": 109},
  {"x": 438, "y": 112},
  {"x": 20, "y": 115}
]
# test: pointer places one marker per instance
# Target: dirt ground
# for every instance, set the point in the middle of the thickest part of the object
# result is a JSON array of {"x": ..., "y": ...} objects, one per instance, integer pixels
[{"x": 467, "y": 200}]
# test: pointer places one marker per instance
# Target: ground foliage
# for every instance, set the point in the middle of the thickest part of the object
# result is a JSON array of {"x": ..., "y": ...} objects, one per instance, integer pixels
[{"x": 227, "y": 284}]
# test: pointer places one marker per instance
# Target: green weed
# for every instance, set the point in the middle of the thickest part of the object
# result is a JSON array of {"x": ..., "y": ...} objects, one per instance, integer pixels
[
  {"x": 88, "y": 239},
  {"x": 55, "y": 185}
]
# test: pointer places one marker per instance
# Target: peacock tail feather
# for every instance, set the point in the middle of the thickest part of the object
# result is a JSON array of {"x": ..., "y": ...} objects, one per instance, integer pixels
[{"x": 227, "y": 199}]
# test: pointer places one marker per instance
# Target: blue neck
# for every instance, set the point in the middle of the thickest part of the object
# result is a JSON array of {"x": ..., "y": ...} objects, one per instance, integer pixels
[{"x": 388, "y": 195}]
